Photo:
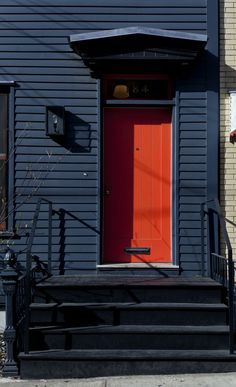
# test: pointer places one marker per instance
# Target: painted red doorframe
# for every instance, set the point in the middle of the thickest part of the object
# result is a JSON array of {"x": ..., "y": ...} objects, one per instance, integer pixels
[{"x": 137, "y": 184}]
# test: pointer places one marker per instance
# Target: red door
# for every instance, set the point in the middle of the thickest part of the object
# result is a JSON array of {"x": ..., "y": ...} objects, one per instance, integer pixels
[{"x": 137, "y": 185}]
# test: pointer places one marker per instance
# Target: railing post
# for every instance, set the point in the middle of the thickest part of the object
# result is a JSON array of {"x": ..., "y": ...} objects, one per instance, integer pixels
[
  {"x": 9, "y": 277},
  {"x": 231, "y": 301},
  {"x": 49, "y": 237},
  {"x": 211, "y": 241},
  {"x": 202, "y": 241}
]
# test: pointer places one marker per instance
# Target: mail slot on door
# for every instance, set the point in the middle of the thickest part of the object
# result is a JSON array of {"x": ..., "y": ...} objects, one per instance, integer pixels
[{"x": 138, "y": 250}]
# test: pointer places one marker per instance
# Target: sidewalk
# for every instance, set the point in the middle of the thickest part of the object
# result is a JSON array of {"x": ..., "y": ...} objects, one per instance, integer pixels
[{"x": 195, "y": 380}]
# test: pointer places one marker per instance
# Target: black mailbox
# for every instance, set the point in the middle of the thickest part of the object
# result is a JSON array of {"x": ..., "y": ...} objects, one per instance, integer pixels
[{"x": 55, "y": 120}]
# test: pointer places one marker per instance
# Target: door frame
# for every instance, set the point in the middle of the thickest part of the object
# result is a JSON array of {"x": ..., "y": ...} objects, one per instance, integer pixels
[{"x": 174, "y": 104}]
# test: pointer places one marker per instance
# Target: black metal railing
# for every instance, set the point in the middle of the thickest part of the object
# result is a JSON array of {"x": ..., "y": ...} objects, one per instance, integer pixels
[
  {"x": 32, "y": 236},
  {"x": 18, "y": 285},
  {"x": 20, "y": 312},
  {"x": 220, "y": 268},
  {"x": 32, "y": 270}
]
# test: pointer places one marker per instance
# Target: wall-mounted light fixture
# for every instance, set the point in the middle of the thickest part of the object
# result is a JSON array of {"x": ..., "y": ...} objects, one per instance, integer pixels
[
  {"x": 55, "y": 120},
  {"x": 232, "y": 129}
]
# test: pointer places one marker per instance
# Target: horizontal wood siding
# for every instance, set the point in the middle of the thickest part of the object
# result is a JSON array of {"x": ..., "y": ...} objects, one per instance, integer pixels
[
  {"x": 192, "y": 170},
  {"x": 34, "y": 52}
]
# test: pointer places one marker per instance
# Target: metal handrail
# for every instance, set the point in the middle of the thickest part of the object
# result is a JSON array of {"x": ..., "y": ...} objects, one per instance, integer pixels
[
  {"x": 32, "y": 235},
  {"x": 230, "y": 280},
  {"x": 29, "y": 261}
]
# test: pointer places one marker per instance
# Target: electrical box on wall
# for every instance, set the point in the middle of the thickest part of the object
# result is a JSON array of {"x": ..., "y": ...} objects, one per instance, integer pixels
[{"x": 55, "y": 120}]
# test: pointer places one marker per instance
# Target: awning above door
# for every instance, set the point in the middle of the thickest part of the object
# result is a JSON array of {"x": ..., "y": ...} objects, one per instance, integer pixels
[{"x": 136, "y": 44}]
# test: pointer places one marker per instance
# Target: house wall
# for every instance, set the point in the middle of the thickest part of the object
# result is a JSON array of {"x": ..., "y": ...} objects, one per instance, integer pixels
[
  {"x": 227, "y": 82},
  {"x": 34, "y": 52}
]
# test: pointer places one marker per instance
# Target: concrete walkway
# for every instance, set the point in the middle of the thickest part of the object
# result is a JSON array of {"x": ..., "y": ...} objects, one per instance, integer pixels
[{"x": 197, "y": 380}]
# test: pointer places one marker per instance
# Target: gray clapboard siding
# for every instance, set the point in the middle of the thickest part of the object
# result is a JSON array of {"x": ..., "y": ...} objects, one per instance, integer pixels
[
  {"x": 48, "y": 191},
  {"x": 34, "y": 52},
  {"x": 189, "y": 200},
  {"x": 171, "y": 10},
  {"x": 43, "y": 62},
  {"x": 83, "y": 215},
  {"x": 188, "y": 249},
  {"x": 86, "y": 251},
  {"x": 85, "y": 97},
  {"x": 192, "y": 142},
  {"x": 85, "y": 106},
  {"x": 193, "y": 159},
  {"x": 91, "y": 168},
  {"x": 190, "y": 233},
  {"x": 189, "y": 216},
  {"x": 90, "y": 204},
  {"x": 74, "y": 224},
  {"x": 69, "y": 19},
  {"x": 69, "y": 159},
  {"x": 38, "y": 128},
  {"x": 192, "y": 191},
  {"x": 196, "y": 103},
  {"x": 190, "y": 241},
  {"x": 41, "y": 70},
  {"x": 195, "y": 134},
  {"x": 38, "y": 134},
  {"x": 77, "y": 174},
  {"x": 77, "y": 86},
  {"x": 192, "y": 173},
  {"x": 193, "y": 151},
  {"x": 192, "y": 167},
  {"x": 197, "y": 127},
  {"x": 190, "y": 224},
  {"x": 59, "y": 184},
  {"x": 189, "y": 208},
  {"x": 80, "y": 232},
  {"x": 72, "y": 27},
  {"x": 82, "y": 139},
  {"x": 103, "y": 3}
]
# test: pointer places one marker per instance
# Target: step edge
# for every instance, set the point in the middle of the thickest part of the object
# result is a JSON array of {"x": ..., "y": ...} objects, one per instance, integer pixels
[
  {"x": 134, "y": 329},
  {"x": 138, "y": 354},
  {"x": 142, "y": 305}
]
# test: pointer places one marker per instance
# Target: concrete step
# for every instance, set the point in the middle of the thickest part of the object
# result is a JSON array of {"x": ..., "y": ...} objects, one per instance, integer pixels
[
  {"x": 110, "y": 288},
  {"x": 97, "y": 363},
  {"x": 130, "y": 337},
  {"x": 82, "y": 314}
]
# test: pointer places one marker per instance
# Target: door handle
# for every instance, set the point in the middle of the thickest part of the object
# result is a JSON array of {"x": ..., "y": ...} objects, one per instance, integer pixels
[{"x": 107, "y": 192}]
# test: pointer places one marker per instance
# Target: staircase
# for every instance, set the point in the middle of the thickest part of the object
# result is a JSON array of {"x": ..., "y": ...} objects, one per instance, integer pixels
[{"x": 108, "y": 325}]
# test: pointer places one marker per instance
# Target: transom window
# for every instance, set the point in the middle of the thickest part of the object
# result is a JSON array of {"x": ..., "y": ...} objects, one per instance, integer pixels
[{"x": 137, "y": 87}]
